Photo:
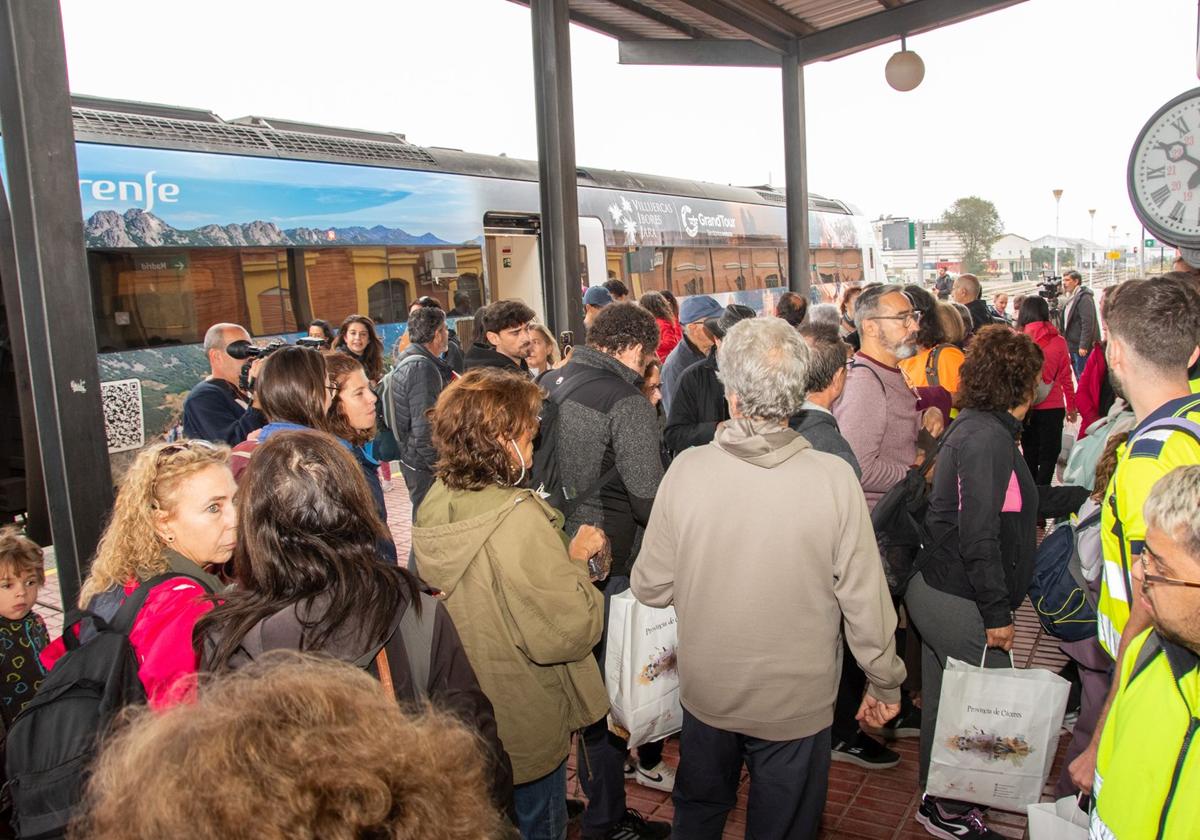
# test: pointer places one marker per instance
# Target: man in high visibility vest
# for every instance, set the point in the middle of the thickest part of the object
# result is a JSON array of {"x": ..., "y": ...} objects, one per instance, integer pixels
[
  {"x": 1148, "y": 767},
  {"x": 1153, "y": 331}
]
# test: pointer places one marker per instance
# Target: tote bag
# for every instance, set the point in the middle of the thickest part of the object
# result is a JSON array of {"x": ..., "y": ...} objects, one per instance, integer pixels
[
  {"x": 997, "y": 732},
  {"x": 1060, "y": 820},
  {"x": 640, "y": 671}
]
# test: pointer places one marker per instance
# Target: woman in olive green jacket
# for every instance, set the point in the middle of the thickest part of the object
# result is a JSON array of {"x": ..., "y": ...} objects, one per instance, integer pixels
[{"x": 519, "y": 595}]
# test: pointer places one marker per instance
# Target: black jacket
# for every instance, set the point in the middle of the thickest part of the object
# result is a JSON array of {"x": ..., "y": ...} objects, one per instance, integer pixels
[
  {"x": 454, "y": 354},
  {"x": 820, "y": 428},
  {"x": 602, "y": 424},
  {"x": 1080, "y": 328},
  {"x": 697, "y": 407},
  {"x": 485, "y": 355},
  {"x": 978, "y": 552},
  {"x": 215, "y": 411},
  {"x": 980, "y": 315},
  {"x": 410, "y": 390},
  {"x": 452, "y": 686}
]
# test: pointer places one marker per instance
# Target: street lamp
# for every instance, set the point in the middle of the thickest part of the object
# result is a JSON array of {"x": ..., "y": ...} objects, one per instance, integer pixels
[
  {"x": 1092, "y": 248},
  {"x": 1057, "y": 200}
]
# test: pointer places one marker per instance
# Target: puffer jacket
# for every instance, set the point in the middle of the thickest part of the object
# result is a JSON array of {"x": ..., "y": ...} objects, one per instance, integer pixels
[
  {"x": 527, "y": 614},
  {"x": 1056, "y": 369},
  {"x": 409, "y": 391},
  {"x": 698, "y": 407}
]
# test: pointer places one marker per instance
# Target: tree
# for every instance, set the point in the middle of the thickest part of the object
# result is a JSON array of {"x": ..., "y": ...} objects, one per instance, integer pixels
[
  {"x": 978, "y": 225},
  {"x": 1045, "y": 256}
]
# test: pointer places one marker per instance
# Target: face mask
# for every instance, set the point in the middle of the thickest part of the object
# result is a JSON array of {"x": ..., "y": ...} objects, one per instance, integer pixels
[{"x": 521, "y": 456}]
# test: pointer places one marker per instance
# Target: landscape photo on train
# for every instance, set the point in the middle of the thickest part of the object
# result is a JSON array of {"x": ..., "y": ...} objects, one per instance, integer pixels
[{"x": 192, "y": 220}]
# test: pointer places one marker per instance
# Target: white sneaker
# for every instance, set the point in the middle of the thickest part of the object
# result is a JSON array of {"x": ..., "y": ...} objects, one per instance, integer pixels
[{"x": 659, "y": 777}]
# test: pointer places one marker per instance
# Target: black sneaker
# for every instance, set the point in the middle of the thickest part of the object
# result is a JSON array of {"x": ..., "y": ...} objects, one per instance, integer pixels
[
  {"x": 904, "y": 725},
  {"x": 950, "y": 826},
  {"x": 633, "y": 826},
  {"x": 575, "y": 808},
  {"x": 866, "y": 752}
]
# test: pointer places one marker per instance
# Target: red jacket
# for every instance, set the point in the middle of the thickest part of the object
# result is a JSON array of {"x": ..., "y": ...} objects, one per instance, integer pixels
[
  {"x": 1056, "y": 369},
  {"x": 1087, "y": 399},
  {"x": 669, "y": 334}
]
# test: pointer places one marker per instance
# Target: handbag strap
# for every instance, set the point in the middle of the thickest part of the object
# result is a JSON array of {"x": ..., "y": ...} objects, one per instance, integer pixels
[{"x": 385, "y": 673}]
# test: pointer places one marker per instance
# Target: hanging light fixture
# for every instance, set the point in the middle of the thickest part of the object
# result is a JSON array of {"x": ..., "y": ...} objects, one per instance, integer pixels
[{"x": 904, "y": 70}]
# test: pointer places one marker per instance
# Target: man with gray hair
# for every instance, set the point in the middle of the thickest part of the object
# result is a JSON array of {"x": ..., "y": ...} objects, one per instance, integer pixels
[
  {"x": 410, "y": 390},
  {"x": 763, "y": 577},
  {"x": 968, "y": 291},
  {"x": 217, "y": 409},
  {"x": 824, "y": 313}
]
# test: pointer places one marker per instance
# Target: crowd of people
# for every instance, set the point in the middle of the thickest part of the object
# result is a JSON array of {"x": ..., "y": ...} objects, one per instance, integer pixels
[{"x": 736, "y": 465}]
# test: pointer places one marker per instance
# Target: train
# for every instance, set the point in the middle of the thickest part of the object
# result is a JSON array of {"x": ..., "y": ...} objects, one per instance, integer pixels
[{"x": 191, "y": 219}]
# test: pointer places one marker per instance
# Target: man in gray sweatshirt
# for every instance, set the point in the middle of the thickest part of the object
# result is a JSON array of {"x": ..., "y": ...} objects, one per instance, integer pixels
[{"x": 762, "y": 570}]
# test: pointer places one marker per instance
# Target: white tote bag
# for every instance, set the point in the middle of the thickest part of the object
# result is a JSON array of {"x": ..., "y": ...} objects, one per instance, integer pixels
[
  {"x": 1061, "y": 820},
  {"x": 997, "y": 732},
  {"x": 640, "y": 672}
]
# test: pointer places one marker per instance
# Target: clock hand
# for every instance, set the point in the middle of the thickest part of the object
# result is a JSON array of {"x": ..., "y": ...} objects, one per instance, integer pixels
[{"x": 1193, "y": 181}]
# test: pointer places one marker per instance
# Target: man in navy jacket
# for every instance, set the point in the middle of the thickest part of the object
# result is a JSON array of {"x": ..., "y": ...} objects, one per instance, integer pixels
[{"x": 216, "y": 409}]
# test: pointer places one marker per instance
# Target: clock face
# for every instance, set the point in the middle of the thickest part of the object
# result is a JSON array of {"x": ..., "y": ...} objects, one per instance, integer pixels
[{"x": 1164, "y": 172}]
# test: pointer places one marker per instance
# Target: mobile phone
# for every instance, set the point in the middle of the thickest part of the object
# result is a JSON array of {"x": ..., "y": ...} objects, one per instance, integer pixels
[{"x": 566, "y": 340}]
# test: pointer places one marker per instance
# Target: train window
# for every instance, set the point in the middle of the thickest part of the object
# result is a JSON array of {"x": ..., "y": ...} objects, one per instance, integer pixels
[
  {"x": 691, "y": 271},
  {"x": 767, "y": 271},
  {"x": 387, "y": 301},
  {"x": 268, "y": 291}
]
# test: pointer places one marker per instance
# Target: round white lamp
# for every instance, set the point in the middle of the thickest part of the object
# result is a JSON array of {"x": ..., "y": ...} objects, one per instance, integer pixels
[{"x": 904, "y": 70}]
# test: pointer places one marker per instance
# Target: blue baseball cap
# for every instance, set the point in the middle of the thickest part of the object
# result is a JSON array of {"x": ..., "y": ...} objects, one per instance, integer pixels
[
  {"x": 597, "y": 296},
  {"x": 699, "y": 308}
]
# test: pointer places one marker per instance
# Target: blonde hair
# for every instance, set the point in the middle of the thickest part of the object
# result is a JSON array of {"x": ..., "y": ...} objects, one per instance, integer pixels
[
  {"x": 544, "y": 332},
  {"x": 130, "y": 546},
  {"x": 292, "y": 746},
  {"x": 951, "y": 321}
]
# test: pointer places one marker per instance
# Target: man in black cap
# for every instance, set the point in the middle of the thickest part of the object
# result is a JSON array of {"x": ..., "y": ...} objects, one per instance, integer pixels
[{"x": 699, "y": 405}]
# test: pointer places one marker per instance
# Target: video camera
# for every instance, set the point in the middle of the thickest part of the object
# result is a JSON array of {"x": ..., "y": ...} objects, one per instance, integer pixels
[
  {"x": 244, "y": 350},
  {"x": 1050, "y": 288}
]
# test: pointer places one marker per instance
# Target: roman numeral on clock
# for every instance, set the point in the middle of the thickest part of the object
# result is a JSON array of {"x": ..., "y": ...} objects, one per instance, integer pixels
[
  {"x": 1160, "y": 196},
  {"x": 1157, "y": 172},
  {"x": 1176, "y": 214},
  {"x": 1180, "y": 125}
]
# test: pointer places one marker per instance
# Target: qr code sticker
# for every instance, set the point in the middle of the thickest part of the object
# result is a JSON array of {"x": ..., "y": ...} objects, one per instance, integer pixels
[{"x": 123, "y": 423}]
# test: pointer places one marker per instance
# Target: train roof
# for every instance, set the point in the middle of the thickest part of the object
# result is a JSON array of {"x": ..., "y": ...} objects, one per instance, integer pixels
[{"x": 121, "y": 122}]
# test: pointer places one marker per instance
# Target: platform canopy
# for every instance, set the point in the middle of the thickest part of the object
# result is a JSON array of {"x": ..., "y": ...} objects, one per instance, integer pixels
[{"x": 759, "y": 33}]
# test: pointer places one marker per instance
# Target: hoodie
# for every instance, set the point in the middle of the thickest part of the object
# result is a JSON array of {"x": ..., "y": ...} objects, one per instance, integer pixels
[
  {"x": 764, "y": 576},
  {"x": 1056, "y": 369},
  {"x": 528, "y": 615},
  {"x": 483, "y": 354}
]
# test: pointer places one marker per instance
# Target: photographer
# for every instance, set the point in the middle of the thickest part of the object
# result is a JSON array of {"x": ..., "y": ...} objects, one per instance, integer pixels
[{"x": 217, "y": 409}]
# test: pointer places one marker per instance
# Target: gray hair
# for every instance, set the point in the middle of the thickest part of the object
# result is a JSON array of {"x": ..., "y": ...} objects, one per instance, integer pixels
[
  {"x": 764, "y": 362},
  {"x": 214, "y": 339},
  {"x": 1171, "y": 508},
  {"x": 824, "y": 313},
  {"x": 971, "y": 283},
  {"x": 829, "y": 354},
  {"x": 423, "y": 325},
  {"x": 867, "y": 305}
]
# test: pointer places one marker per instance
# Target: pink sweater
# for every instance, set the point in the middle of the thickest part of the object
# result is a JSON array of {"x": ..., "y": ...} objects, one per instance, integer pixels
[{"x": 877, "y": 415}]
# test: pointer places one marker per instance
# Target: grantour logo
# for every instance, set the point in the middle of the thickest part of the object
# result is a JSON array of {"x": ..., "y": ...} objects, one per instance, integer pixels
[{"x": 691, "y": 225}]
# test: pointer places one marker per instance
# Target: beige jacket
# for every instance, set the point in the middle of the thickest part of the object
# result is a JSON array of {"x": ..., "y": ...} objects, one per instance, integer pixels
[
  {"x": 765, "y": 547},
  {"x": 527, "y": 614}
]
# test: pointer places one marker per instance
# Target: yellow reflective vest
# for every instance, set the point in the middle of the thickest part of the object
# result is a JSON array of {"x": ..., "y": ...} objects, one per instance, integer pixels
[
  {"x": 1148, "y": 455},
  {"x": 1148, "y": 766}
]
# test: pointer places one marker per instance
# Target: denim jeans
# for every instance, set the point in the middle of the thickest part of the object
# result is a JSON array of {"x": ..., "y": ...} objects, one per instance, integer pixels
[{"x": 541, "y": 806}]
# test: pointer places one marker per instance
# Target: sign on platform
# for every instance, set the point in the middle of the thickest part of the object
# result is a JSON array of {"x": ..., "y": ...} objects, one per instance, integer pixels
[
  {"x": 1150, "y": 243},
  {"x": 161, "y": 262},
  {"x": 1113, "y": 255}
]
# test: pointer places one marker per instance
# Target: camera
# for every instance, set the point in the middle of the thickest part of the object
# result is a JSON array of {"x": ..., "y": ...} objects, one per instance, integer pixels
[
  {"x": 243, "y": 349},
  {"x": 1050, "y": 288}
]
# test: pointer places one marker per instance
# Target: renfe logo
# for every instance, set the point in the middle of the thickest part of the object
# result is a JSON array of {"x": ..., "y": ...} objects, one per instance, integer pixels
[{"x": 144, "y": 192}]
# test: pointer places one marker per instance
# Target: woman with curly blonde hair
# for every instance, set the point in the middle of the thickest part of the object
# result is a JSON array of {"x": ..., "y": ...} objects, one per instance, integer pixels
[
  {"x": 173, "y": 521},
  {"x": 291, "y": 747}
]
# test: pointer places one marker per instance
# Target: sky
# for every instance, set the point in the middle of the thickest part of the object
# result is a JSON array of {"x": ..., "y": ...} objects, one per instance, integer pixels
[{"x": 1048, "y": 94}]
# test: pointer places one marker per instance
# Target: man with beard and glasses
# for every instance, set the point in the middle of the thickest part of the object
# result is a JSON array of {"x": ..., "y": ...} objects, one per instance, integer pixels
[
  {"x": 1153, "y": 326},
  {"x": 878, "y": 416},
  {"x": 1144, "y": 781}
]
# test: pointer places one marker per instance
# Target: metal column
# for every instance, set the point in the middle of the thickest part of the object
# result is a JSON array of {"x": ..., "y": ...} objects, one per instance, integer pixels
[
  {"x": 557, "y": 183},
  {"x": 796, "y": 169},
  {"x": 52, "y": 276}
]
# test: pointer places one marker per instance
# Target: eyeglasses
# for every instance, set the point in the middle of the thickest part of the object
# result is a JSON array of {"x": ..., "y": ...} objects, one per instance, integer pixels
[
  {"x": 912, "y": 316},
  {"x": 1147, "y": 577}
]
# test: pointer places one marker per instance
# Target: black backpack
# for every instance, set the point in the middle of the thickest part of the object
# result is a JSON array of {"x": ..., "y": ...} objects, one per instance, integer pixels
[
  {"x": 546, "y": 471},
  {"x": 1062, "y": 596},
  {"x": 53, "y": 742}
]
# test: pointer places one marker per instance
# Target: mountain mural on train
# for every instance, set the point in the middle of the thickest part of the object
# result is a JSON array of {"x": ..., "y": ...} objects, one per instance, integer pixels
[{"x": 136, "y": 228}]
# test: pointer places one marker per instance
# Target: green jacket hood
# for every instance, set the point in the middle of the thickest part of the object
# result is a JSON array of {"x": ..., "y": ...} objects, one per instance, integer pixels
[
  {"x": 765, "y": 445},
  {"x": 452, "y": 526}
]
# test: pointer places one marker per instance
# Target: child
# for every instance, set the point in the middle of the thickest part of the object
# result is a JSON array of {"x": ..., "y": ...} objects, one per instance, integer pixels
[{"x": 23, "y": 634}]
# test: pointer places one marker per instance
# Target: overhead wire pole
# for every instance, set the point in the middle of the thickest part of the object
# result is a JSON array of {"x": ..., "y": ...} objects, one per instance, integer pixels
[
  {"x": 795, "y": 156},
  {"x": 52, "y": 277},
  {"x": 557, "y": 184}
]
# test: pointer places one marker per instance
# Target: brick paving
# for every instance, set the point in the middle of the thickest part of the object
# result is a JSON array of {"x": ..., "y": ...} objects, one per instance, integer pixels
[{"x": 861, "y": 805}]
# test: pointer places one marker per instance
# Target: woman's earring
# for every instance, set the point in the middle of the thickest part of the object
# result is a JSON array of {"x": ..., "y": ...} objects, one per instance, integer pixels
[{"x": 170, "y": 539}]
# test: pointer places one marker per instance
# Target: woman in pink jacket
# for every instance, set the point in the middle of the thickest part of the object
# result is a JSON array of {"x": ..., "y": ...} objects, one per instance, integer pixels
[
  {"x": 1041, "y": 439},
  {"x": 174, "y": 518}
]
